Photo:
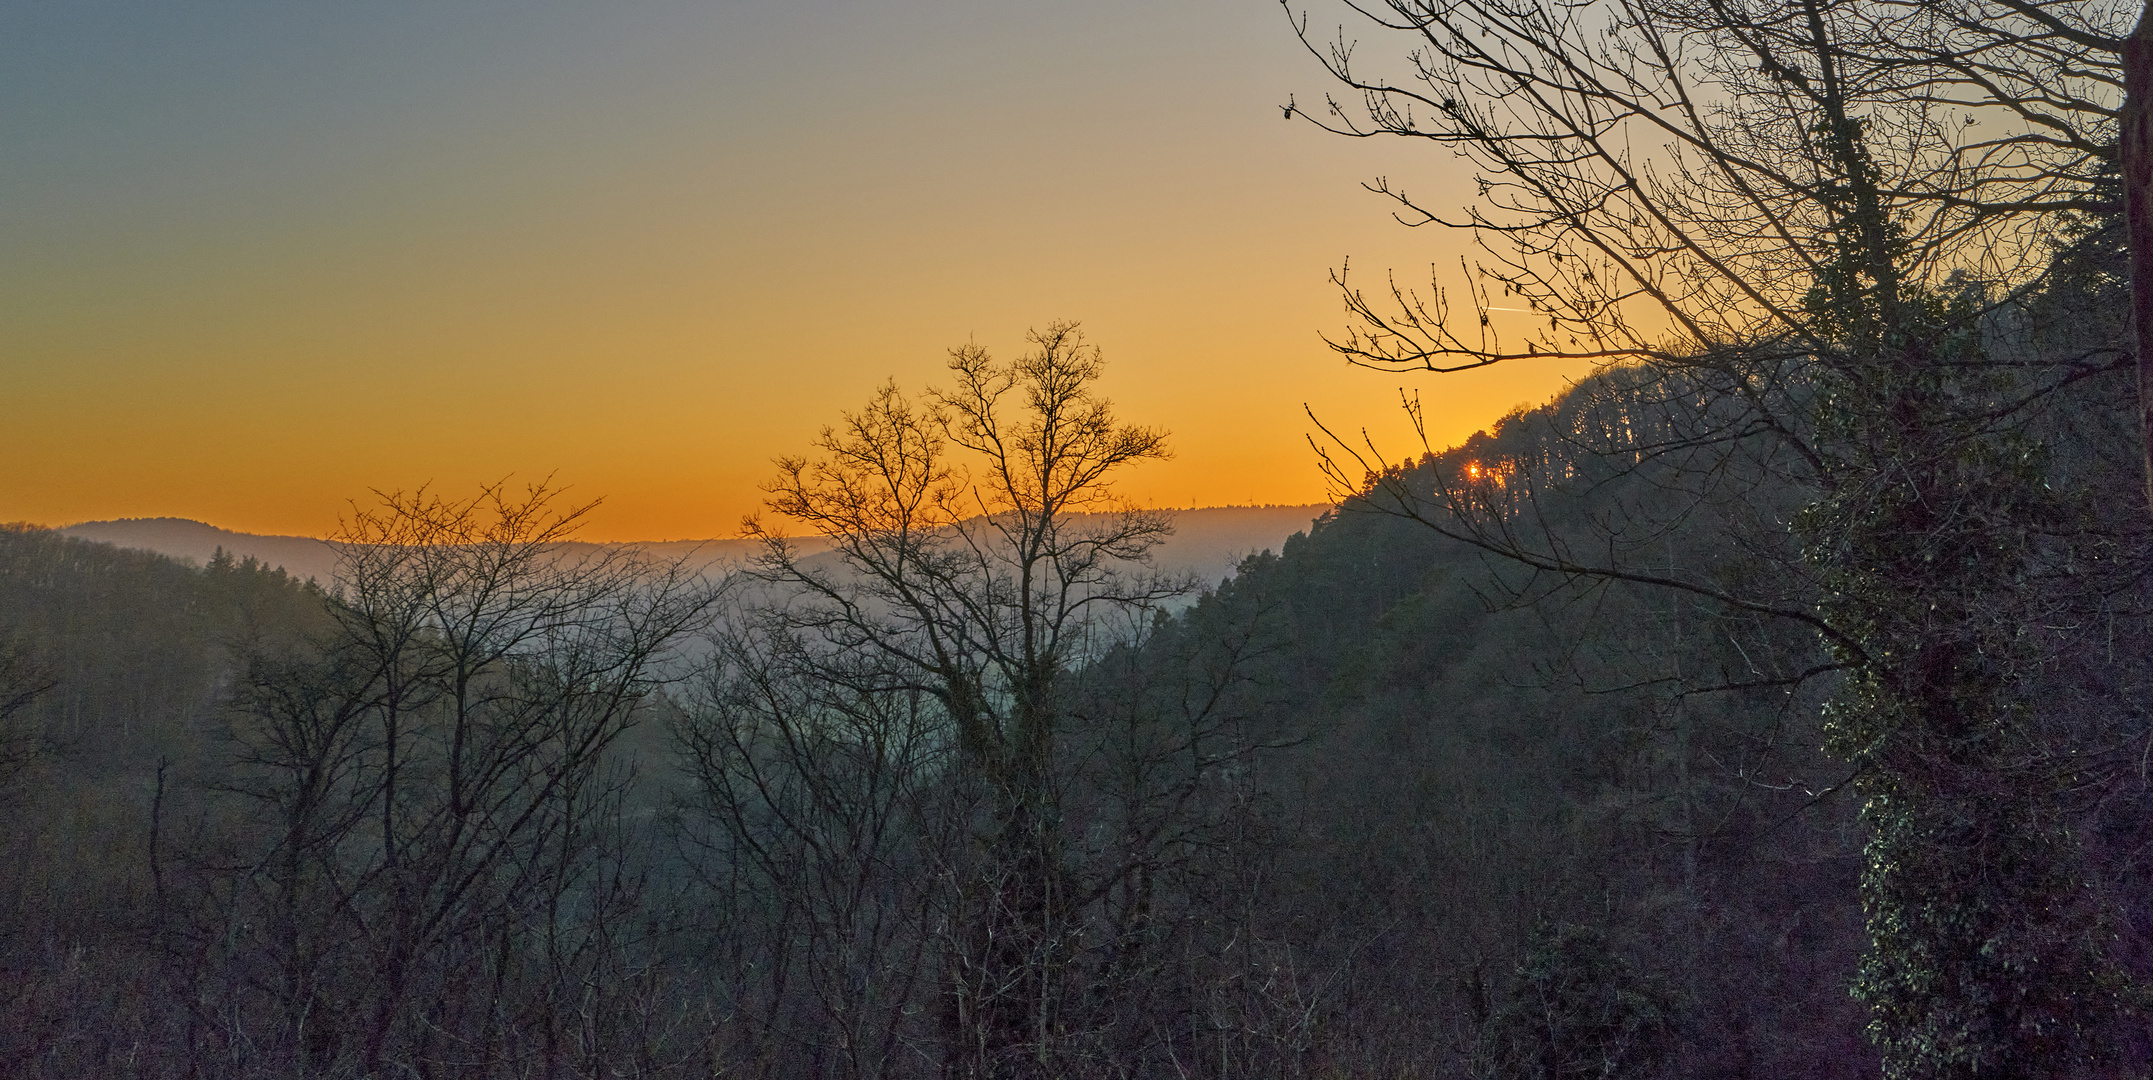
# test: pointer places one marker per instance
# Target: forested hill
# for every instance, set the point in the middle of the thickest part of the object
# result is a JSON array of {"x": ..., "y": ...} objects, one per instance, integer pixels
[
  {"x": 116, "y": 669},
  {"x": 1512, "y": 765},
  {"x": 1568, "y": 690},
  {"x": 1476, "y": 804},
  {"x": 302, "y": 557},
  {"x": 135, "y": 649},
  {"x": 1533, "y": 793}
]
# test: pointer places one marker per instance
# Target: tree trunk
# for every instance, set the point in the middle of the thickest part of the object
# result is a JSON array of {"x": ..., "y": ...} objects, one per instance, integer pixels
[{"x": 2135, "y": 139}]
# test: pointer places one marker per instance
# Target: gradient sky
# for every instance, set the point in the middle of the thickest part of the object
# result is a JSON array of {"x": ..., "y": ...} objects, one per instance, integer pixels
[{"x": 259, "y": 257}]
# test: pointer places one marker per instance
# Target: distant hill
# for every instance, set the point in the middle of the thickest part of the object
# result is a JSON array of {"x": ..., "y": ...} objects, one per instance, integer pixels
[
  {"x": 1207, "y": 542},
  {"x": 302, "y": 557}
]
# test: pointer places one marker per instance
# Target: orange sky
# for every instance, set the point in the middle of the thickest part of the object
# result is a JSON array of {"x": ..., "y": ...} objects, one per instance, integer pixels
[{"x": 256, "y": 258}]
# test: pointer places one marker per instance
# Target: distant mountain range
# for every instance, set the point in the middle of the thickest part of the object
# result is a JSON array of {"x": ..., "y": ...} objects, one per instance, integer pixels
[{"x": 1208, "y": 542}]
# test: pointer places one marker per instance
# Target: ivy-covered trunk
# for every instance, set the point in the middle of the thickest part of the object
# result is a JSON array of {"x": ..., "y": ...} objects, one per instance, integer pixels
[
  {"x": 1987, "y": 953},
  {"x": 2134, "y": 150}
]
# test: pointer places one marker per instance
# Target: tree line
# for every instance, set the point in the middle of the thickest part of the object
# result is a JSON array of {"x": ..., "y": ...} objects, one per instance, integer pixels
[{"x": 1384, "y": 802}]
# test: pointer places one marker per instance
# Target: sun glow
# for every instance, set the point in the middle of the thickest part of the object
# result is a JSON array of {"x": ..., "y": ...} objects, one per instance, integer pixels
[{"x": 634, "y": 254}]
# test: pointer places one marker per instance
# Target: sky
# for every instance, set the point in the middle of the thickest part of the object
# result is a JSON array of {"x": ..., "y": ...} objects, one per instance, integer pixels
[{"x": 260, "y": 257}]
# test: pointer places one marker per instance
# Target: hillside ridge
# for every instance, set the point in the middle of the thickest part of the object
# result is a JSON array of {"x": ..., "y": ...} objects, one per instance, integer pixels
[{"x": 1208, "y": 541}]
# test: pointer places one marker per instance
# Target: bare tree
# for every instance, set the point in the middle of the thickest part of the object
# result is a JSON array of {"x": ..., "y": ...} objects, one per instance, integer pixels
[
  {"x": 819, "y": 814},
  {"x": 441, "y": 866},
  {"x": 979, "y": 562},
  {"x": 1824, "y": 236}
]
